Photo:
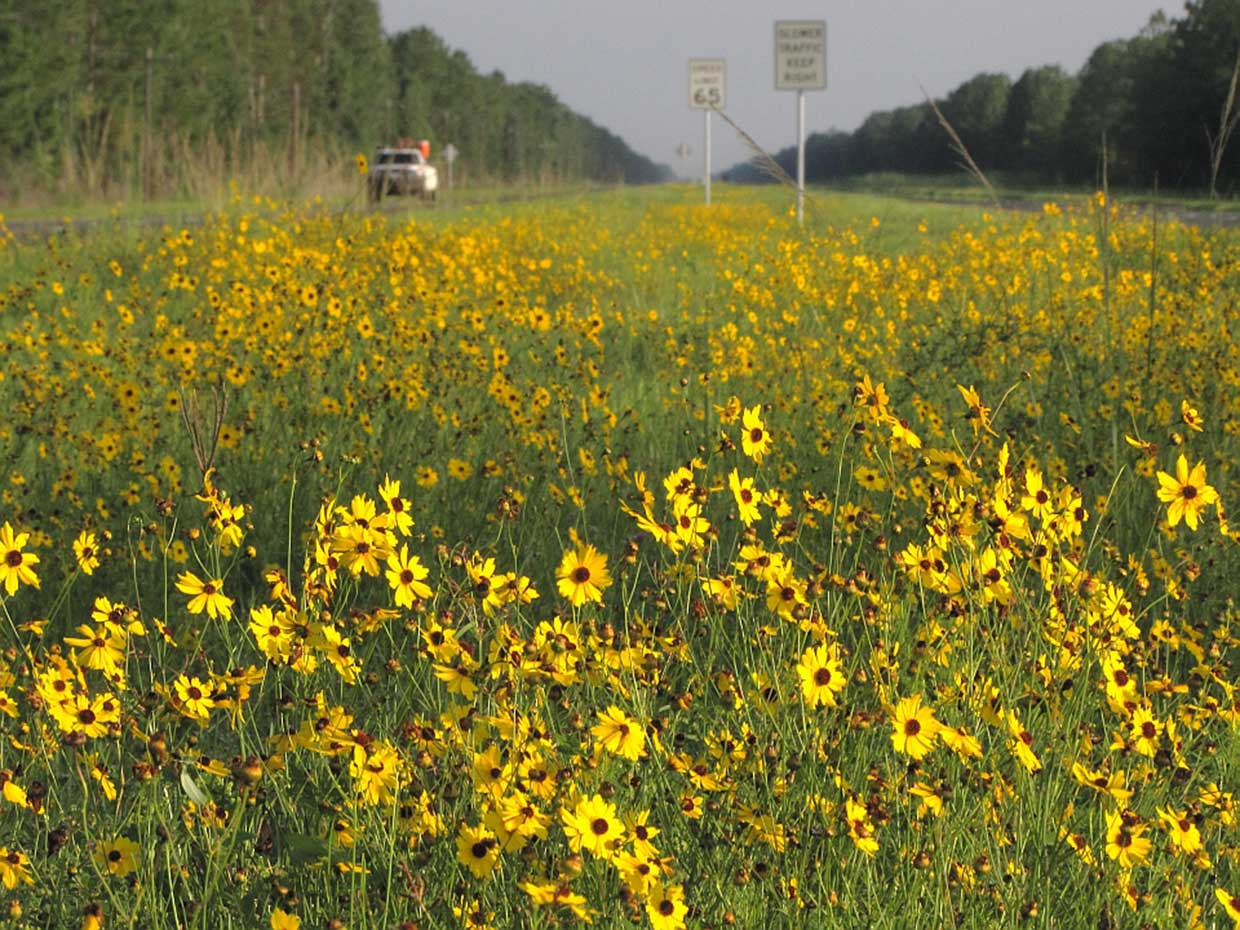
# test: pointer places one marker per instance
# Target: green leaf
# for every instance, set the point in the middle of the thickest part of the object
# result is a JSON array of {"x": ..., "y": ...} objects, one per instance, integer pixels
[{"x": 192, "y": 790}]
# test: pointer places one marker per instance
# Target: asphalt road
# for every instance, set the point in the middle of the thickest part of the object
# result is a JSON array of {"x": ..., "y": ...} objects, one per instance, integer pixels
[{"x": 36, "y": 229}]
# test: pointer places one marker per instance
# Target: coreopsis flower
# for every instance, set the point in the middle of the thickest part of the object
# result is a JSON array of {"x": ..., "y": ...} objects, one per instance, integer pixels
[
  {"x": 724, "y": 591},
  {"x": 205, "y": 595},
  {"x": 963, "y": 744},
  {"x": 619, "y": 734},
  {"x": 1185, "y": 837},
  {"x": 11, "y": 791},
  {"x": 512, "y": 588},
  {"x": 375, "y": 769},
  {"x": 931, "y": 799},
  {"x": 729, "y": 412},
  {"x": 582, "y": 576},
  {"x": 785, "y": 592},
  {"x": 515, "y": 820},
  {"x": 1187, "y": 493},
  {"x": 99, "y": 772},
  {"x": 1110, "y": 784},
  {"x": 119, "y": 857},
  {"x": 914, "y": 728},
  {"x": 747, "y": 499},
  {"x": 1037, "y": 498},
  {"x": 398, "y": 507},
  {"x": 273, "y": 631},
  {"x": 593, "y": 826},
  {"x": 339, "y": 651},
  {"x": 755, "y": 440},
  {"x": 116, "y": 617},
  {"x": 280, "y": 920},
  {"x": 15, "y": 563},
  {"x": 1144, "y": 731},
  {"x": 1231, "y": 904},
  {"x": 361, "y": 548},
  {"x": 561, "y": 893},
  {"x": 860, "y": 828},
  {"x": 1021, "y": 743},
  {"x": 483, "y": 582},
  {"x": 14, "y": 868},
  {"x": 98, "y": 648},
  {"x": 92, "y": 916},
  {"x": 665, "y": 906},
  {"x": 86, "y": 552},
  {"x": 1126, "y": 840},
  {"x": 642, "y": 833},
  {"x": 194, "y": 697},
  {"x": 902, "y": 434},
  {"x": 979, "y": 414},
  {"x": 477, "y": 848},
  {"x": 873, "y": 397},
  {"x": 821, "y": 674},
  {"x": 1192, "y": 419},
  {"x": 691, "y": 526},
  {"x": 86, "y": 715},
  {"x": 407, "y": 576}
]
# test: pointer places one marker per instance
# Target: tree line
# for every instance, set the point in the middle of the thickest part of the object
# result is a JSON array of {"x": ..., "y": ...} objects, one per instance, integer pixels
[
  {"x": 1159, "y": 107},
  {"x": 118, "y": 95}
]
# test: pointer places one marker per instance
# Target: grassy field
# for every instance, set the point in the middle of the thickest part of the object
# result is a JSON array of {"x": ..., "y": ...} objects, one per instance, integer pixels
[
  {"x": 614, "y": 559},
  {"x": 963, "y": 188}
]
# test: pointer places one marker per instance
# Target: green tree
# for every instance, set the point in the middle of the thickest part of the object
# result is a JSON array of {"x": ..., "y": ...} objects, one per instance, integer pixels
[{"x": 1032, "y": 127}]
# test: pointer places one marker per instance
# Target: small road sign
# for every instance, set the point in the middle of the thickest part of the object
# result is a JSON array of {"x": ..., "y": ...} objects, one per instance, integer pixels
[
  {"x": 801, "y": 54},
  {"x": 707, "y": 83}
]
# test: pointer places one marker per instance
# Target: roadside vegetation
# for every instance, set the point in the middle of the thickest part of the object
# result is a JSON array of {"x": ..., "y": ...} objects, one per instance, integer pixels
[
  {"x": 621, "y": 560},
  {"x": 153, "y": 101}
]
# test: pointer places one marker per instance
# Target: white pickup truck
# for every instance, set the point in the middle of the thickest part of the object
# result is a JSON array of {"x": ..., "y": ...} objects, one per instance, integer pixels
[{"x": 401, "y": 171}]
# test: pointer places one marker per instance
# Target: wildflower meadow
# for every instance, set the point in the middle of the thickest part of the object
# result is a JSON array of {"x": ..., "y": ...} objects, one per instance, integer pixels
[{"x": 619, "y": 561}]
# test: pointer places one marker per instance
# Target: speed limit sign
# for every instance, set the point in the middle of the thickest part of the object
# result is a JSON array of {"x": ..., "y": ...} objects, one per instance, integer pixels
[{"x": 707, "y": 83}]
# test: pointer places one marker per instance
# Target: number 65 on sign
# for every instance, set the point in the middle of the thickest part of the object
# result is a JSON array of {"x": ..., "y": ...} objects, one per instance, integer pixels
[{"x": 707, "y": 83}]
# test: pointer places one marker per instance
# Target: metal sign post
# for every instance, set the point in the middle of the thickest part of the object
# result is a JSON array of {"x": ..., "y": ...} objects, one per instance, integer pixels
[
  {"x": 801, "y": 65},
  {"x": 706, "y": 159},
  {"x": 707, "y": 91}
]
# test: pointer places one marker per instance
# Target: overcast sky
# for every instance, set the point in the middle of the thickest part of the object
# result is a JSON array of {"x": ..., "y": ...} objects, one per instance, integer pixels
[{"x": 624, "y": 63}]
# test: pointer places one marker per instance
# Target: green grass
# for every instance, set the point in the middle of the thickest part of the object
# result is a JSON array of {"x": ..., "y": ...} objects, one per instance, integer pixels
[{"x": 964, "y": 189}]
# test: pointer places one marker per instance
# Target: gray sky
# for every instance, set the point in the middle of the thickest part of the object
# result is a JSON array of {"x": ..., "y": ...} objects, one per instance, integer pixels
[{"x": 624, "y": 63}]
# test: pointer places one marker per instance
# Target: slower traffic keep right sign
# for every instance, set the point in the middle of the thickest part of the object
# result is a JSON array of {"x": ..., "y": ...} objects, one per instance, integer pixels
[{"x": 801, "y": 65}]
